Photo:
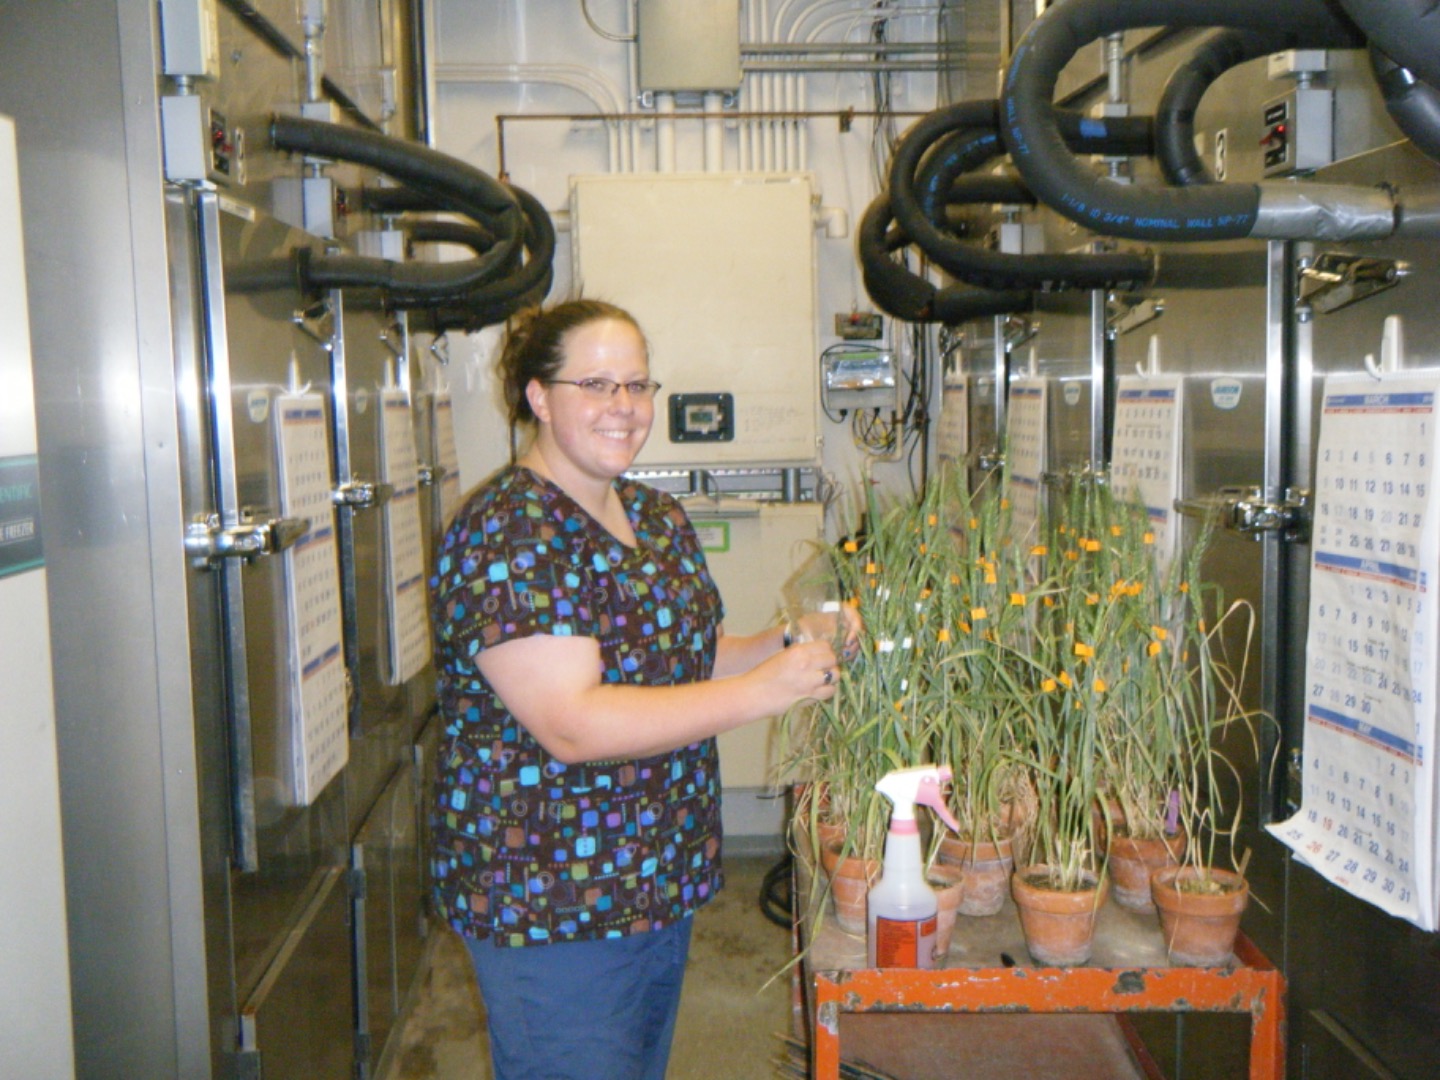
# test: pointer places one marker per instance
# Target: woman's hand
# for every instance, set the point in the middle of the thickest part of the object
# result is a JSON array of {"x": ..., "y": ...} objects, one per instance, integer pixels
[
  {"x": 839, "y": 627},
  {"x": 807, "y": 670}
]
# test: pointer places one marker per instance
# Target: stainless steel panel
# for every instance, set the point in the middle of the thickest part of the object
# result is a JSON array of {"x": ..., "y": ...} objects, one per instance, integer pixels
[
  {"x": 389, "y": 923},
  {"x": 299, "y": 1016},
  {"x": 80, "y": 82}
]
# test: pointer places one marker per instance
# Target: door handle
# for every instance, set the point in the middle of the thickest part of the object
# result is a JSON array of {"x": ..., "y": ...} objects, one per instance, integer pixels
[
  {"x": 362, "y": 494},
  {"x": 208, "y": 541},
  {"x": 1245, "y": 510}
]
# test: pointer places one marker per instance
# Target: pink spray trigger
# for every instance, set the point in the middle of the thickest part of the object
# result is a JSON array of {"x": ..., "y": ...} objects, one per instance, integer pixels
[{"x": 928, "y": 793}]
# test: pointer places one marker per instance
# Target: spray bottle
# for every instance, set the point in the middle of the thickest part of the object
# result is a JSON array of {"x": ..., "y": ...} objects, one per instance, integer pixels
[{"x": 902, "y": 904}]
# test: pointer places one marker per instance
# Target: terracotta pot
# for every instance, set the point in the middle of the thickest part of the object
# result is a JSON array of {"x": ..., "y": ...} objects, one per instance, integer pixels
[
  {"x": 1107, "y": 816},
  {"x": 1133, "y": 860},
  {"x": 850, "y": 881},
  {"x": 1059, "y": 927},
  {"x": 987, "y": 869},
  {"x": 949, "y": 885},
  {"x": 1199, "y": 927}
]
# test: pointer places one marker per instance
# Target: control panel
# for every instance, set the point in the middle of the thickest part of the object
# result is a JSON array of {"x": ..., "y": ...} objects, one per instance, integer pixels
[
  {"x": 702, "y": 417},
  {"x": 1299, "y": 131}
]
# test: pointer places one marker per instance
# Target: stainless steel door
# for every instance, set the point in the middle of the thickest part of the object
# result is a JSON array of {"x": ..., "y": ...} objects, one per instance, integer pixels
[{"x": 283, "y": 859}]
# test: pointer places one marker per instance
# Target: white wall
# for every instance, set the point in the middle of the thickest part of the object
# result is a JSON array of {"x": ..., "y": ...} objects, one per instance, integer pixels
[{"x": 531, "y": 57}]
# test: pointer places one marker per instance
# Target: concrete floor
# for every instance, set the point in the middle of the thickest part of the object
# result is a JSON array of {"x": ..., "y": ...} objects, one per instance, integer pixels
[{"x": 730, "y": 1011}]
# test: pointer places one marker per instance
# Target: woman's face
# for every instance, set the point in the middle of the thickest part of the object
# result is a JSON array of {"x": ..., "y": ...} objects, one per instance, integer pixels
[{"x": 595, "y": 437}]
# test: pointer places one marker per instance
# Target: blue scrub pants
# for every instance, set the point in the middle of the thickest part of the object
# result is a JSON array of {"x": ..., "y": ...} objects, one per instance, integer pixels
[{"x": 583, "y": 1010}]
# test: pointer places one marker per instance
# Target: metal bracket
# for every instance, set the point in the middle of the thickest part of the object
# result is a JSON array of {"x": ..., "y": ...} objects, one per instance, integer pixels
[
  {"x": 1334, "y": 280},
  {"x": 207, "y": 541},
  {"x": 362, "y": 494},
  {"x": 990, "y": 460},
  {"x": 1244, "y": 510},
  {"x": 1017, "y": 330},
  {"x": 440, "y": 350},
  {"x": 1125, "y": 317},
  {"x": 316, "y": 322},
  {"x": 430, "y": 475}
]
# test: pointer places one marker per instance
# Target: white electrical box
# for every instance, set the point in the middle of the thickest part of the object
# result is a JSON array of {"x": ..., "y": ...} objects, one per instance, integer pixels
[{"x": 719, "y": 270}]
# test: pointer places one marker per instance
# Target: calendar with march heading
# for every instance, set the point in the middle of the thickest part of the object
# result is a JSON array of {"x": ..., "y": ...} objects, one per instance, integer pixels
[
  {"x": 319, "y": 742},
  {"x": 407, "y": 619},
  {"x": 1026, "y": 454},
  {"x": 1367, "y": 819},
  {"x": 1145, "y": 455}
]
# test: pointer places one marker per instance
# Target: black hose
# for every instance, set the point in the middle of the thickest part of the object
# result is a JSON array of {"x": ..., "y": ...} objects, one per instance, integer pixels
[
  {"x": 977, "y": 141},
  {"x": 477, "y": 238},
  {"x": 906, "y": 295},
  {"x": 1204, "y": 212},
  {"x": 1407, "y": 31},
  {"x": 431, "y": 174},
  {"x": 1413, "y": 105},
  {"x": 1180, "y": 98}
]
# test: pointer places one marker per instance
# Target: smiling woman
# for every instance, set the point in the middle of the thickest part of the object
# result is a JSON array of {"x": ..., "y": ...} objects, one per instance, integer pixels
[{"x": 584, "y": 673}]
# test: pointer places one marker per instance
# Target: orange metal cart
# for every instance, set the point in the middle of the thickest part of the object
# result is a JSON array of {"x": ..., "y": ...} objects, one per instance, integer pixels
[{"x": 1129, "y": 973}]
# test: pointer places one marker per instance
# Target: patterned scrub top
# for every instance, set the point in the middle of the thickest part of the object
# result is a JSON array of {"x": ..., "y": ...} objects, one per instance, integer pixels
[{"x": 530, "y": 850}]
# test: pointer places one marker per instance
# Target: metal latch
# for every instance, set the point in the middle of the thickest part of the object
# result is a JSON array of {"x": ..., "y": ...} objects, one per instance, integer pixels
[
  {"x": 1017, "y": 330},
  {"x": 1245, "y": 510},
  {"x": 1125, "y": 317},
  {"x": 1333, "y": 281},
  {"x": 362, "y": 494},
  {"x": 430, "y": 475},
  {"x": 207, "y": 541},
  {"x": 990, "y": 460}
]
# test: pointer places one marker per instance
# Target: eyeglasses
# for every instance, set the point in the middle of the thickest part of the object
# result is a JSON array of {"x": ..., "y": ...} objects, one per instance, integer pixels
[{"x": 640, "y": 389}]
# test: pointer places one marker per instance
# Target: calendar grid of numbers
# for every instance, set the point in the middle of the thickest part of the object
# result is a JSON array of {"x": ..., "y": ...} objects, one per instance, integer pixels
[
  {"x": 952, "y": 435},
  {"x": 1367, "y": 819},
  {"x": 445, "y": 455},
  {"x": 407, "y": 618},
  {"x": 1146, "y": 452},
  {"x": 319, "y": 742},
  {"x": 1026, "y": 424}
]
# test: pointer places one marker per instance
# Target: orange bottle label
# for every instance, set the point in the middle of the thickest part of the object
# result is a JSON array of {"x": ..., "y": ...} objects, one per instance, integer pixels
[{"x": 904, "y": 942}]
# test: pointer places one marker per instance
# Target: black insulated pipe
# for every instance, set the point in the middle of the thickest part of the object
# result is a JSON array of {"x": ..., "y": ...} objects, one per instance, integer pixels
[
  {"x": 1407, "y": 31},
  {"x": 906, "y": 295},
  {"x": 1413, "y": 105},
  {"x": 1201, "y": 212},
  {"x": 447, "y": 181},
  {"x": 977, "y": 142},
  {"x": 1180, "y": 98}
]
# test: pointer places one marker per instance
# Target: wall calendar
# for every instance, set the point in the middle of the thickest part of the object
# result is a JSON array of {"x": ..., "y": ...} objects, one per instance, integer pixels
[
  {"x": 407, "y": 620},
  {"x": 1145, "y": 458},
  {"x": 1367, "y": 819},
  {"x": 1026, "y": 456},
  {"x": 319, "y": 741}
]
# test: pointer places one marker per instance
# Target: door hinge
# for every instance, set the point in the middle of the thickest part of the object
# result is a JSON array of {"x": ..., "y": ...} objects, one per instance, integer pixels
[
  {"x": 355, "y": 882},
  {"x": 362, "y": 1055},
  {"x": 1245, "y": 510}
]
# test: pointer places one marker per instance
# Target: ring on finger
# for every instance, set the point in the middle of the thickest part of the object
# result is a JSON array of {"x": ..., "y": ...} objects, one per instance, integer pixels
[{"x": 829, "y": 677}]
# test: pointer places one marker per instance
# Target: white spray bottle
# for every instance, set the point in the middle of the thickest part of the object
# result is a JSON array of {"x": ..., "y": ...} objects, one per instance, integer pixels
[{"x": 902, "y": 904}]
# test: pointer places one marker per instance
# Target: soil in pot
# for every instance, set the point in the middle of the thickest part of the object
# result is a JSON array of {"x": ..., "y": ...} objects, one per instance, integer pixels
[
  {"x": 850, "y": 881},
  {"x": 1199, "y": 923},
  {"x": 1059, "y": 926},
  {"x": 987, "y": 867},
  {"x": 1133, "y": 860},
  {"x": 949, "y": 885}
]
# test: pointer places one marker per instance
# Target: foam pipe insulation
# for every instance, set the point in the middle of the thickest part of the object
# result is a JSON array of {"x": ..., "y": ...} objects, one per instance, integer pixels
[{"x": 1280, "y": 210}]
